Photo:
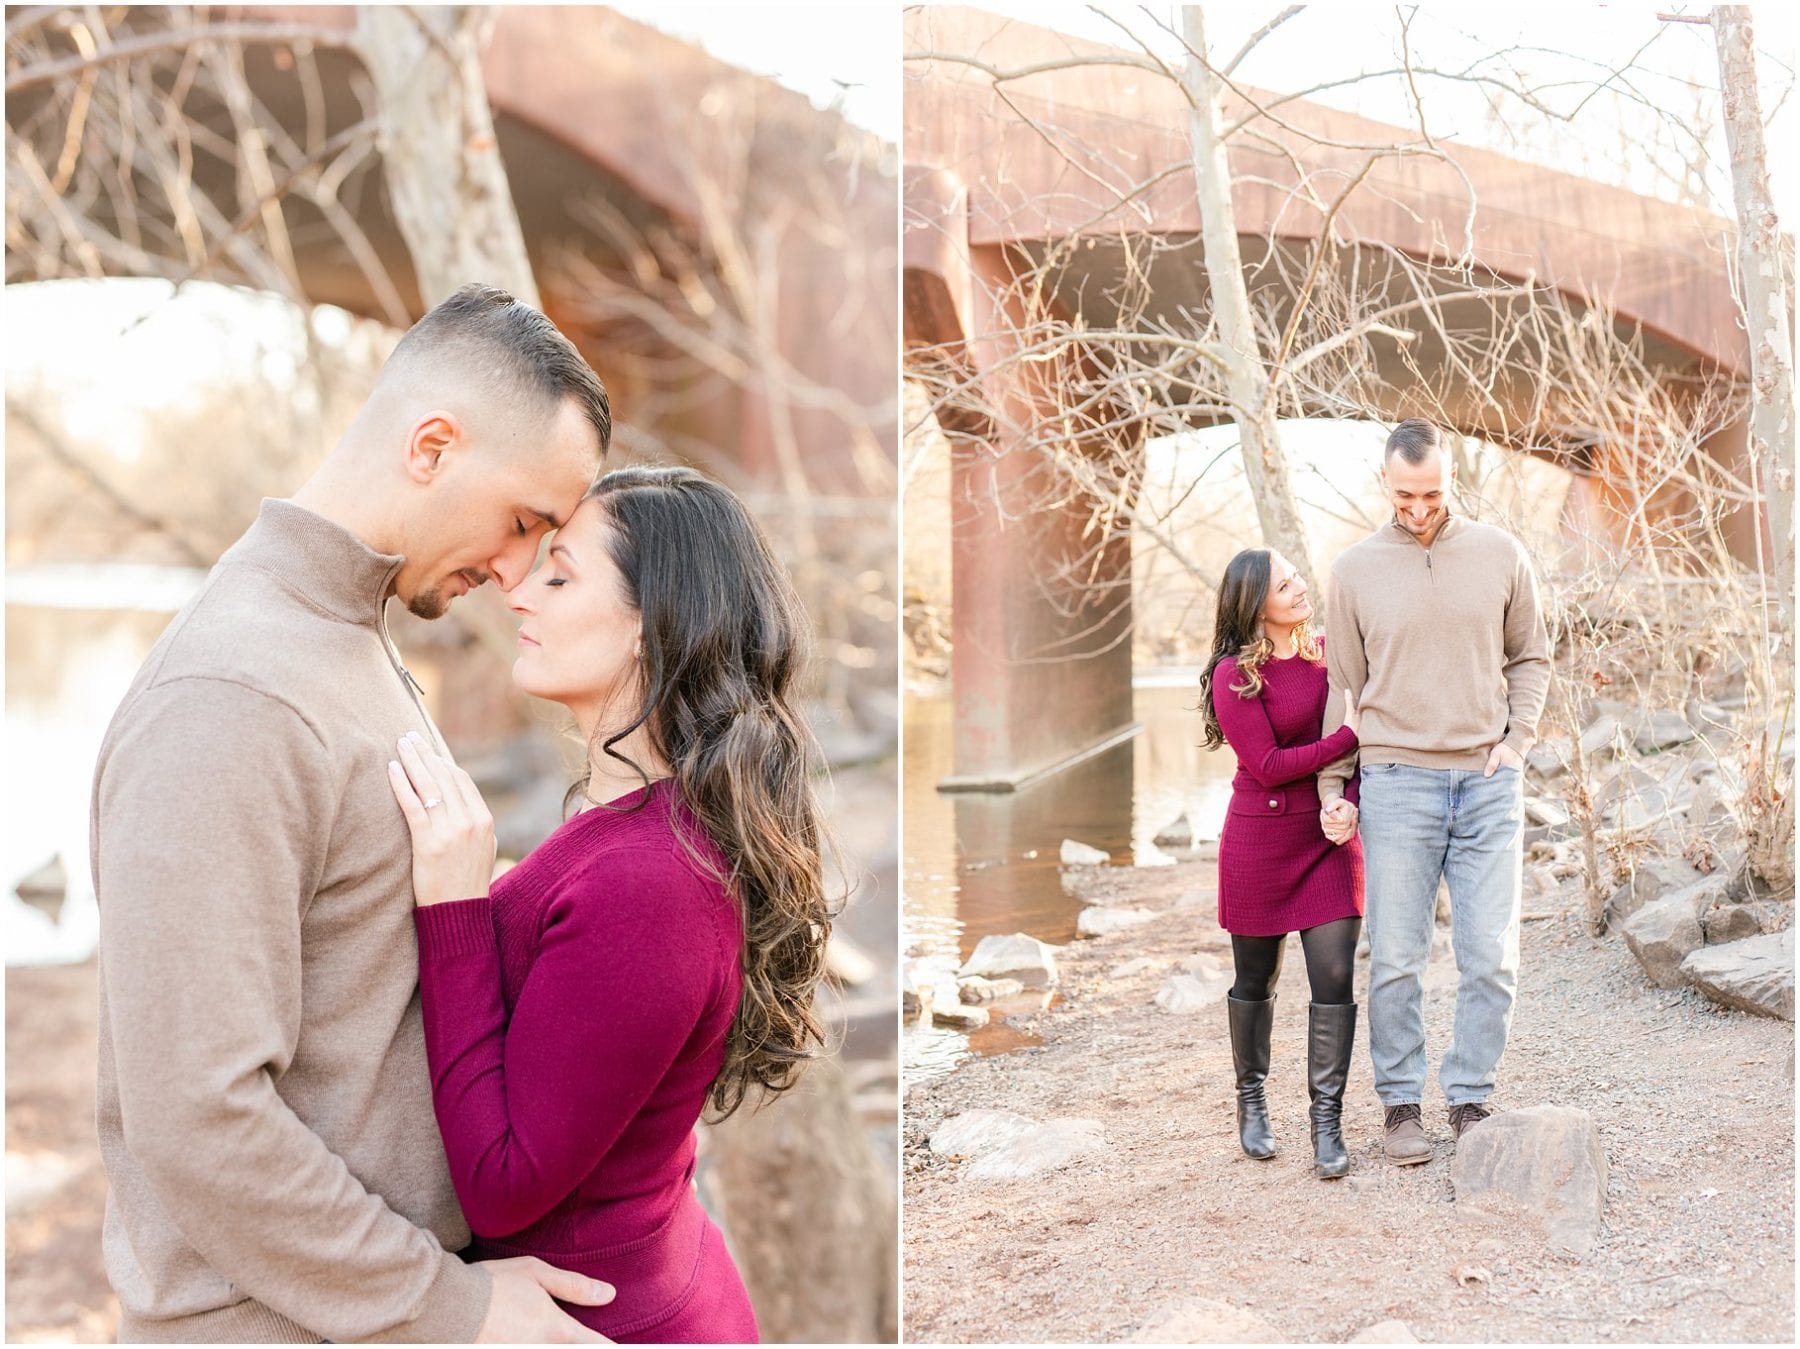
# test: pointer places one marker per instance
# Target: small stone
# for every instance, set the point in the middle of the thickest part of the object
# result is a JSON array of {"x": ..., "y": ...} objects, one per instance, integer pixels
[
  {"x": 1137, "y": 965},
  {"x": 1178, "y": 833},
  {"x": 1076, "y": 854},
  {"x": 1025, "y": 958},
  {"x": 1204, "y": 1321},
  {"x": 1103, "y": 922},
  {"x": 45, "y": 886},
  {"x": 1385, "y": 1332},
  {"x": 955, "y": 1014},
  {"x": 986, "y": 990},
  {"x": 1754, "y": 975},
  {"x": 915, "y": 997},
  {"x": 1547, "y": 1159}
]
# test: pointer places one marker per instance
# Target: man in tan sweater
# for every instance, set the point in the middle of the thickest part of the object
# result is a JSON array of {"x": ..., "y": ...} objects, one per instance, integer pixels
[
  {"x": 264, "y": 1106},
  {"x": 1436, "y": 636}
]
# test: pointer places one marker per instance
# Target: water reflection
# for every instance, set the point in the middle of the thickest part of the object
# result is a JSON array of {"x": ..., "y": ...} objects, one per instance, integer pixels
[
  {"x": 66, "y": 669},
  {"x": 980, "y": 863}
]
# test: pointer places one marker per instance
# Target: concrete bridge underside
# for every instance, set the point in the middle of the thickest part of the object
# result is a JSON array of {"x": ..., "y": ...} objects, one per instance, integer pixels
[{"x": 1041, "y": 651}]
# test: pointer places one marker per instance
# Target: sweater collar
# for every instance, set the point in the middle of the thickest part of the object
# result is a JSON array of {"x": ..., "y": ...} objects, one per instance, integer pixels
[
  {"x": 321, "y": 561},
  {"x": 1452, "y": 523}
]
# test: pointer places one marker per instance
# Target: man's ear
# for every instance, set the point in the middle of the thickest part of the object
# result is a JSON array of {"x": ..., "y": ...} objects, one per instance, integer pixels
[{"x": 432, "y": 436}]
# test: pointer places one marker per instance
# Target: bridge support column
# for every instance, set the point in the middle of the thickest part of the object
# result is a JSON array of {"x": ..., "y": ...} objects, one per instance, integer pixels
[{"x": 1040, "y": 577}]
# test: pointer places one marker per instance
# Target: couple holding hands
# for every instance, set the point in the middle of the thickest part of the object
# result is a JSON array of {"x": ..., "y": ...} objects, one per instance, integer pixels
[{"x": 1381, "y": 760}]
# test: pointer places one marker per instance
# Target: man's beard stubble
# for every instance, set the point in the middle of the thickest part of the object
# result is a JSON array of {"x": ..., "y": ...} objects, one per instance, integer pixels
[{"x": 431, "y": 602}]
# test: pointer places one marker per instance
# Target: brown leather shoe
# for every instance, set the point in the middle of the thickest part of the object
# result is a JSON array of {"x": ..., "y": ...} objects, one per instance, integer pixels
[
  {"x": 1404, "y": 1139},
  {"x": 1466, "y": 1116}
]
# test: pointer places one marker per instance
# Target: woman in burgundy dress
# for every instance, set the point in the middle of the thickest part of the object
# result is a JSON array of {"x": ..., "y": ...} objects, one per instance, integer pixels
[
  {"x": 1264, "y": 692},
  {"x": 658, "y": 954}
]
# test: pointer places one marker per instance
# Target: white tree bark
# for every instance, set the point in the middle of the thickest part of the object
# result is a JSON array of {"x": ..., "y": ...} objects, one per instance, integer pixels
[
  {"x": 1246, "y": 376},
  {"x": 1763, "y": 290},
  {"x": 1764, "y": 293},
  {"x": 442, "y": 163}
]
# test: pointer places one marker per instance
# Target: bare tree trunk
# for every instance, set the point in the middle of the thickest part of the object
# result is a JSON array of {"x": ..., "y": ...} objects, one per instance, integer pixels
[
  {"x": 438, "y": 150},
  {"x": 1763, "y": 290},
  {"x": 1246, "y": 378},
  {"x": 810, "y": 1218},
  {"x": 1765, "y": 297}
]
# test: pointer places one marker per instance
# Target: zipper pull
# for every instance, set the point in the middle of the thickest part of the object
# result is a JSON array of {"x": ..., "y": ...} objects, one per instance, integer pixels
[{"x": 419, "y": 689}]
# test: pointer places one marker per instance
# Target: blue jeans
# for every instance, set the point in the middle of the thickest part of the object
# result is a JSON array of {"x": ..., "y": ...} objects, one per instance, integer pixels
[{"x": 1418, "y": 824}]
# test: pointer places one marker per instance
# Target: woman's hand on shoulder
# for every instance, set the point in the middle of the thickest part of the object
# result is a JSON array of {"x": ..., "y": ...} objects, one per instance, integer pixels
[{"x": 452, "y": 829}]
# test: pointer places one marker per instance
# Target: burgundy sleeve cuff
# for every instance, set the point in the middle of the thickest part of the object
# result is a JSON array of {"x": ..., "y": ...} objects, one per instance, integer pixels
[
  {"x": 1342, "y": 741},
  {"x": 460, "y": 928}
]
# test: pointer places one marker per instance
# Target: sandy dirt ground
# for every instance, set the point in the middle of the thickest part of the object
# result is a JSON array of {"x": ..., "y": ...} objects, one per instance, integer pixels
[
  {"x": 1694, "y": 1105},
  {"x": 55, "y": 1187}
]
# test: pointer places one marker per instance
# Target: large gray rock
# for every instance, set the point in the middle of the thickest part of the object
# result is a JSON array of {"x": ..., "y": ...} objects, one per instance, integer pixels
[
  {"x": 1755, "y": 974},
  {"x": 1653, "y": 878},
  {"x": 1549, "y": 756},
  {"x": 1203, "y": 1321},
  {"x": 1002, "y": 1145},
  {"x": 1729, "y": 922},
  {"x": 1630, "y": 783},
  {"x": 1052, "y": 1146},
  {"x": 1605, "y": 737},
  {"x": 1200, "y": 984},
  {"x": 1103, "y": 922},
  {"x": 1662, "y": 730},
  {"x": 977, "y": 1132},
  {"x": 1030, "y": 961},
  {"x": 1661, "y": 935},
  {"x": 1543, "y": 810},
  {"x": 1545, "y": 1160}
]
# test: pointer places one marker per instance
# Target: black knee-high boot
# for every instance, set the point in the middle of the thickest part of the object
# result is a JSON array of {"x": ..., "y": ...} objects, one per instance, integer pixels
[
  {"x": 1250, "y": 1025},
  {"x": 1331, "y": 1035}
]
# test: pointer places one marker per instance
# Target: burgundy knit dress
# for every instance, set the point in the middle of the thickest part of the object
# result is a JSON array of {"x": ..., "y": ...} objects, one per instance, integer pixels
[
  {"x": 573, "y": 1023},
  {"x": 1278, "y": 873}
]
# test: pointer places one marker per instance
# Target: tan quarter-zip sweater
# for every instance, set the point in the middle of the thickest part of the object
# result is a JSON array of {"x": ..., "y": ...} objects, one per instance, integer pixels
[
  {"x": 1443, "y": 648},
  {"x": 264, "y": 1106}
]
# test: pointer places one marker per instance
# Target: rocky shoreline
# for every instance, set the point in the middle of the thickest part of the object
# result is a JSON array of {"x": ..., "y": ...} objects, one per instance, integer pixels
[{"x": 1635, "y": 1184}]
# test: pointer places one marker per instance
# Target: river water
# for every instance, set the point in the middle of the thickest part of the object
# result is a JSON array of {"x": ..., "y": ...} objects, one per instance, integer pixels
[
  {"x": 983, "y": 863},
  {"x": 75, "y": 636}
]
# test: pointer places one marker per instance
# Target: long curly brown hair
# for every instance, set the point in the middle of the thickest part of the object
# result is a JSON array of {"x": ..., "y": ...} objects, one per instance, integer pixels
[
  {"x": 725, "y": 639},
  {"x": 1237, "y": 631}
]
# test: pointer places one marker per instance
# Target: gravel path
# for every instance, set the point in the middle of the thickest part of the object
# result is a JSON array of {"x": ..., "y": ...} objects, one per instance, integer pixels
[{"x": 1694, "y": 1105}]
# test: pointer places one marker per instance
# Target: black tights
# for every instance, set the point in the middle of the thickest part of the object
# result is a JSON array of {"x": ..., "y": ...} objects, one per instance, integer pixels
[{"x": 1330, "y": 962}]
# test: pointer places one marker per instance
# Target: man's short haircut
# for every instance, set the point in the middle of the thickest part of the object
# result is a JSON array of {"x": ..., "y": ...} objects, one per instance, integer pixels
[
  {"x": 484, "y": 328},
  {"x": 1412, "y": 440}
]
